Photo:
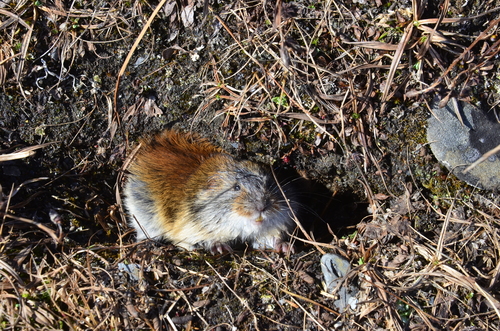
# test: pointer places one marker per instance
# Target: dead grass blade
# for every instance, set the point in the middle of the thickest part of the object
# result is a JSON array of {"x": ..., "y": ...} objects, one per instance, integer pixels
[
  {"x": 310, "y": 301},
  {"x": 23, "y": 153},
  {"x": 376, "y": 45},
  {"x": 11, "y": 273},
  {"x": 394, "y": 64},
  {"x": 24, "y": 49},
  {"x": 14, "y": 18}
]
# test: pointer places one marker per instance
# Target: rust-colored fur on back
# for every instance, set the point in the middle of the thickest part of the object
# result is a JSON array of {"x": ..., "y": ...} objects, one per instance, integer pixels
[{"x": 169, "y": 153}]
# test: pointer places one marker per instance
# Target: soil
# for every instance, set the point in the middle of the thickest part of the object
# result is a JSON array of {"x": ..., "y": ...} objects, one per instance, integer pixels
[{"x": 287, "y": 84}]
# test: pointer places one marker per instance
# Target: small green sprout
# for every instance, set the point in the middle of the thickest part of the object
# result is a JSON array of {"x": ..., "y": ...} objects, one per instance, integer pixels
[
  {"x": 281, "y": 100},
  {"x": 417, "y": 65},
  {"x": 361, "y": 261}
]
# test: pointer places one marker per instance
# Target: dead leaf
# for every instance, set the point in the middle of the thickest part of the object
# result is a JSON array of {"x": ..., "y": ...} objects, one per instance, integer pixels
[
  {"x": 151, "y": 109},
  {"x": 381, "y": 196},
  {"x": 169, "y": 8},
  {"x": 187, "y": 15}
]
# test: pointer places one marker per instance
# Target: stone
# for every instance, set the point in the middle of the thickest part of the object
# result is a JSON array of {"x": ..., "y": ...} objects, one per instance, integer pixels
[{"x": 458, "y": 145}]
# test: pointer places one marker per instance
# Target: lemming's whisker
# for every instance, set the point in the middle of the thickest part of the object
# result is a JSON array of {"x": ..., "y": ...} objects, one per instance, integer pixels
[
  {"x": 275, "y": 189},
  {"x": 294, "y": 203},
  {"x": 287, "y": 181}
]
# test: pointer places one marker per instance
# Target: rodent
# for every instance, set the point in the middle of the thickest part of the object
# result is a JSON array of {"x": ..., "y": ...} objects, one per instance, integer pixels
[{"x": 183, "y": 189}]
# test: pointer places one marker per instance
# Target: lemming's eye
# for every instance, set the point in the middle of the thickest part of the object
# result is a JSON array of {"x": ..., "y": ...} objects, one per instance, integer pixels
[{"x": 237, "y": 187}]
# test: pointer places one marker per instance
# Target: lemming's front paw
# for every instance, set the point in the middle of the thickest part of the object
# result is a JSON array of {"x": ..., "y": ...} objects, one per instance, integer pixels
[
  {"x": 283, "y": 247},
  {"x": 275, "y": 243},
  {"x": 220, "y": 248}
]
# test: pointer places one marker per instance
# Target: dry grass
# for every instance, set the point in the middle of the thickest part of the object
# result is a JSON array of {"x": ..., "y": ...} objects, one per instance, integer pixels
[{"x": 307, "y": 79}]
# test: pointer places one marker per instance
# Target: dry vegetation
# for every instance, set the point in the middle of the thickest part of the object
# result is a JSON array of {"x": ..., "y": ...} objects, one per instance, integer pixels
[{"x": 337, "y": 90}]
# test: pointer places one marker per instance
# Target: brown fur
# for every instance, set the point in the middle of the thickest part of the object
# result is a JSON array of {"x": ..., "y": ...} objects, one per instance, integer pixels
[{"x": 168, "y": 153}]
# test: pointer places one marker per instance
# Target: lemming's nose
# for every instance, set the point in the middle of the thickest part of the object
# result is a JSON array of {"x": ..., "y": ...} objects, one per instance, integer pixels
[{"x": 263, "y": 204}]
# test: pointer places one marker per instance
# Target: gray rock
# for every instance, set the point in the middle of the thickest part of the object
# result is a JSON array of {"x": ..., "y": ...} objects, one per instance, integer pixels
[
  {"x": 457, "y": 146},
  {"x": 334, "y": 268},
  {"x": 133, "y": 270}
]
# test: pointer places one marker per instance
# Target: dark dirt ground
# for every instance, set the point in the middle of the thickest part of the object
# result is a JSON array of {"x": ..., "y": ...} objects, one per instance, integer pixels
[{"x": 299, "y": 85}]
